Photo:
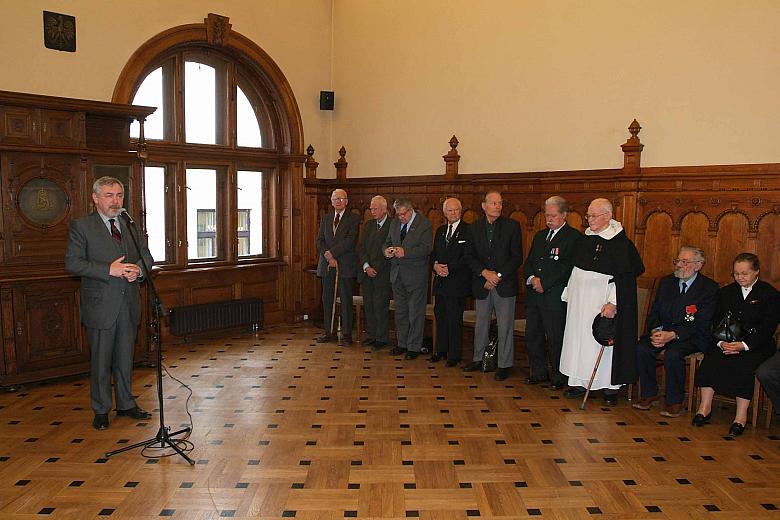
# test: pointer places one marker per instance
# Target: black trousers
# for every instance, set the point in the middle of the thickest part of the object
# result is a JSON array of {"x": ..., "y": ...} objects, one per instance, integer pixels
[
  {"x": 543, "y": 332},
  {"x": 448, "y": 311},
  {"x": 769, "y": 376},
  {"x": 345, "y": 293},
  {"x": 376, "y": 302},
  {"x": 674, "y": 366}
]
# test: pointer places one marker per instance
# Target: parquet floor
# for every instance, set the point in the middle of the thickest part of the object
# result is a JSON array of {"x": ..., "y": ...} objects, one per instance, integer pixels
[{"x": 284, "y": 428}]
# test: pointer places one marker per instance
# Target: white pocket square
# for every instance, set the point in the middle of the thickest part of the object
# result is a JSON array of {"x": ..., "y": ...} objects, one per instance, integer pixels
[{"x": 461, "y": 241}]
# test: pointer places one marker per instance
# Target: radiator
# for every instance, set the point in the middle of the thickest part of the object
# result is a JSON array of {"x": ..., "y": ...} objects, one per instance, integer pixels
[{"x": 192, "y": 319}]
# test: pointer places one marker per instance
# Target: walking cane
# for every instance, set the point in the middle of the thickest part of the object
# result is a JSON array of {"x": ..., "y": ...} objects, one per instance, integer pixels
[
  {"x": 335, "y": 295},
  {"x": 592, "y": 377}
]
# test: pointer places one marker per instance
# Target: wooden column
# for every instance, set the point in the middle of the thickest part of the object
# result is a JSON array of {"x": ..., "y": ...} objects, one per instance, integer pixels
[
  {"x": 451, "y": 160},
  {"x": 341, "y": 165},
  {"x": 632, "y": 150},
  {"x": 311, "y": 164}
]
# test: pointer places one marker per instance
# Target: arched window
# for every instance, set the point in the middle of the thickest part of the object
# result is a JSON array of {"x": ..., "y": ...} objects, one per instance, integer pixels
[{"x": 217, "y": 146}]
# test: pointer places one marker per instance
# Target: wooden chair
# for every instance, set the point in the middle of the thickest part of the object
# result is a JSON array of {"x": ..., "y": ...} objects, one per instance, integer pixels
[{"x": 645, "y": 287}]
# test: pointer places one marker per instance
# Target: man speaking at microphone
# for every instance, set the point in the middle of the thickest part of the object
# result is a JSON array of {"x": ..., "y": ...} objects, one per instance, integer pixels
[{"x": 102, "y": 252}]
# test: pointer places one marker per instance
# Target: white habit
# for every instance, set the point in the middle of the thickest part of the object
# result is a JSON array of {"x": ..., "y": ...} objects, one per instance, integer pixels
[{"x": 586, "y": 293}]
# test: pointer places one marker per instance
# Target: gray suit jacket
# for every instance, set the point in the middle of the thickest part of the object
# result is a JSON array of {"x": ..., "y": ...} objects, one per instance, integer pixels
[
  {"x": 413, "y": 268},
  {"x": 89, "y": 254},
  {"x": 341, "y": 245}
]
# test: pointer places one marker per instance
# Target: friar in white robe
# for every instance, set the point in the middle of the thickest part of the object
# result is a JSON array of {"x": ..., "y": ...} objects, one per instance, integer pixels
[{"x": 603, "y": 282}]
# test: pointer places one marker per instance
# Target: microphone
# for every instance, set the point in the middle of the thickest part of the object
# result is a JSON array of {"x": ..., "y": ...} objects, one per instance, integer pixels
[{"x": 124, "y": 212}]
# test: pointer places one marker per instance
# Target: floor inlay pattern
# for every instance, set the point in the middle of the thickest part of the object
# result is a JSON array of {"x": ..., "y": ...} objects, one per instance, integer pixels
[{"x": 286, "y": 428}]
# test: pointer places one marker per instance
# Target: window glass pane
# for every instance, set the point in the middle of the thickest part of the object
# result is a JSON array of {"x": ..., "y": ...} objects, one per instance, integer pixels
[
  {"x": 150, "y": 94},
  {"x": 250, "y": 214},
  {"x": 154, "y": 194},
  {"x": 202, "y": 219},
  {"x": 247, "y": 127},
  {"x": 200, "y": 103}
]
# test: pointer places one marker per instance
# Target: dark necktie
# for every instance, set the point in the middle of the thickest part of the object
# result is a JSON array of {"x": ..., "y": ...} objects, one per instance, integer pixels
[
  {"x": 336, "y": 222},
  {"x": 115, "y": 234},
  {"x": 683, "y": 288},
  {"x": 403, "y": 232},
  {"x": 550, "y": 236},
  {"x": 378, "y": 226},
  {"x": 449, "y": 234}
]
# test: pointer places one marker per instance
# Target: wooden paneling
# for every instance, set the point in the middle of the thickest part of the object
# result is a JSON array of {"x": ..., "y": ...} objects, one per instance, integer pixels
[{"x": 723, "y": 209}]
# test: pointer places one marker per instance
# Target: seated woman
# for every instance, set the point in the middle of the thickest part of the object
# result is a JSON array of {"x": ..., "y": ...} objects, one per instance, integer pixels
[{"x": 728, "y": 368}]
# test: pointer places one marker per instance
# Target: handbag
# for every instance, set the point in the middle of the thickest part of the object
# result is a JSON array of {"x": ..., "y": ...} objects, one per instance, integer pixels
[
  {"x": 489, "y": 361},
  {"x": 730, "y": 329}
]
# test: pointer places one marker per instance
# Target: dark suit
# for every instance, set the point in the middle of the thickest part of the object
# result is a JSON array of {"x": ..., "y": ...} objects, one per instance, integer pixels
[
  {"x": 341, "y": 245},
  {"x": 409, "y": 277},
  {"x": 451, "y": 291},
  {"x": 376, "y": 291},
  {"x": 689, "y": 315},
  {"x": 110, "y": 306},
  {"x": 732, "y": 374},
  {"x": 503, "y": 254},
  {"x": 545, "y": 314}
]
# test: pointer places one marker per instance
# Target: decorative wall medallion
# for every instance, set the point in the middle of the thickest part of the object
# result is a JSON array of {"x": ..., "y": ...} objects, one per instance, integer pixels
[
  {"x": 755, "y": 201},
  {"x": 42, "y": 202},
  {"x": 59, "y": 31}
]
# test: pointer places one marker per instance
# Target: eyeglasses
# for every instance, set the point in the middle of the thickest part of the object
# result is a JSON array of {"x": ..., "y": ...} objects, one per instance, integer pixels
[
  {"x": 339, "y": 199},
  {"x": 589, "y": 216},
  {"x": 742, "y": 275},
  {"x": 684, "y": 262}
]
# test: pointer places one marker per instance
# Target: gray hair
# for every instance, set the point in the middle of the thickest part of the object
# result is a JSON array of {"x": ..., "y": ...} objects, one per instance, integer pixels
[
  {"x": 696, "y": 251},
  {"x": 403, "y": 202},
  {"x": 380, "y": 199},
  {"x": 555, "y": 200},
  {"x": 105, "y": 181}
]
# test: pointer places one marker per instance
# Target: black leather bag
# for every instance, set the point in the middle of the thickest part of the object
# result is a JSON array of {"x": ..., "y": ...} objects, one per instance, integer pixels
[
  {"x": 730, "y": 329},
  {"x": 490, "y": 357},
  {"x": 604, "y": 330}
]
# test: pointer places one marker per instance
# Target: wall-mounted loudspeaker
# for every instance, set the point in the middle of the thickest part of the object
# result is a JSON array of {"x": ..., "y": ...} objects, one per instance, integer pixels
[{"x": 327, "y": 99}]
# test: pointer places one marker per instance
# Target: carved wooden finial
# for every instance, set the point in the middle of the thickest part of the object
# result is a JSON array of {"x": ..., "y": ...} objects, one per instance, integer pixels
[
  {"x": 311, "y": 164},
  {"x": 341, "y": 165},
  {"x": 634, "y": 129},
  {"x": 451, "y": 159},
  {"x": 310, "y": 151},
  {"x": 217, "y": 29}
]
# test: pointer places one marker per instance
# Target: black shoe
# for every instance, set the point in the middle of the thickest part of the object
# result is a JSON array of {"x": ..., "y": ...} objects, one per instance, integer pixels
[
  {"x": 502, "y": 373},
  {"x": 139, "y": 414},
  {"x": 701, "y": 420},
  {"x": 534, "y": 381},
  {"x": 610, "y": 399},
  {"x": 346, "y": 341},
  {"x": 379, "y": 345},
  {"x": 437, "y": 357},
  {"x": 411, "y": 354},
  {"x": 326, "y": 338},
  {"x": 397, "y": 351},
  {"x": 452, "y": 362},
  {"x": 574, "y": 392},
  {"x": 368, "y": 342},
  {"x": 474, "y": 366},
  {"x": 557, "y": 386},
  {"x": 100, "y": 422},
  {"x": 736, "y": 429}
]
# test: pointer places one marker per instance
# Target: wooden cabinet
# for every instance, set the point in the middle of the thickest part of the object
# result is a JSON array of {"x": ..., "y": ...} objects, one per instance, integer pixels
[{"x": 51, "y": 151}]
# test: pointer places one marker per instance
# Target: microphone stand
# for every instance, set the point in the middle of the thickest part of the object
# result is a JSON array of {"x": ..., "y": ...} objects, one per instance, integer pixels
[{"x": 163, "y": 437}]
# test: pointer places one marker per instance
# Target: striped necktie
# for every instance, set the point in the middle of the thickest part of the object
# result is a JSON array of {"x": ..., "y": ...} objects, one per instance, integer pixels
[{"x": 115, "y": 234}]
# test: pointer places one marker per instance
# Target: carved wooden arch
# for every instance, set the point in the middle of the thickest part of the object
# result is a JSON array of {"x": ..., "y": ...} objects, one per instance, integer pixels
[
  {"x": 216, "y": 32},
  {"x": 678, "y": 222},
  {"x": 642, "y": 224},
  {"x": 715, "y": 223}
]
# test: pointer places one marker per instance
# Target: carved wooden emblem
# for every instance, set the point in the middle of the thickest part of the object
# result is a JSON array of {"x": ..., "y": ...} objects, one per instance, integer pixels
[
  {"x": 217, "y": 29},
  {"x": 59, "y": 31}
]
